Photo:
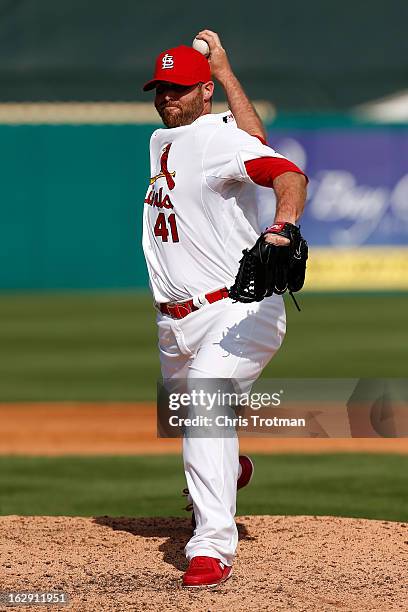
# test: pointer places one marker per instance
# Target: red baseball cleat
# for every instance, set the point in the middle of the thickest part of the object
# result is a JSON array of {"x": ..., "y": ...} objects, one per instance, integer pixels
[
  {"x": 206, "y": 572},
  {"x": 247, "y": 471}
]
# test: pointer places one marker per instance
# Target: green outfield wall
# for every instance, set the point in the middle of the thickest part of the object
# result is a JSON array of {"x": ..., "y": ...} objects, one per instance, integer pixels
[
  {"x": 72, "y": 198},
  {"x": 71, "y": 205}
]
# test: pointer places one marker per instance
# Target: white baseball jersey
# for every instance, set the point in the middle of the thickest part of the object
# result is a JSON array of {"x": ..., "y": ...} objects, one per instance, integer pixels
[{"x": 201, "y": 207}]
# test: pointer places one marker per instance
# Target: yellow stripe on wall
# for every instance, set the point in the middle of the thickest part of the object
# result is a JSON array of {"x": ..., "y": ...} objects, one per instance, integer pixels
[
  {"x": 109, "y": 113},
  {"x": 364, "y": 268}
]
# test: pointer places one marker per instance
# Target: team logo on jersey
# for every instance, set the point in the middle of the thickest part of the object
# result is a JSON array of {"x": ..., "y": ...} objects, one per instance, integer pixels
[
  {"x": 157, "y": 200},
  {"x": 164, "y": 172},
  {"x": 167, "y": 61}
]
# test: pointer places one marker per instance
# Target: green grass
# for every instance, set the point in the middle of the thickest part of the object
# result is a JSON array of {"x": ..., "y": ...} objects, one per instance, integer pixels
[
  {"x": 86, "y": 346},
  {"x": 355, "y": 485},
  {"x": 103, "y": 346}
]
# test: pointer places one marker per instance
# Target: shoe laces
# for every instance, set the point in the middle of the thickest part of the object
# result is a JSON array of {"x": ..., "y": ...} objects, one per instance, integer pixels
[{"x": 189, "y": 507}]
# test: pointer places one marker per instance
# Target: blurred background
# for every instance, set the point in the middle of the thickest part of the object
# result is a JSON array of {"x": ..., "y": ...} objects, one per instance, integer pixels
[
  {"x": 77, "y": 325},
  {"x": 330, "y": 82}
]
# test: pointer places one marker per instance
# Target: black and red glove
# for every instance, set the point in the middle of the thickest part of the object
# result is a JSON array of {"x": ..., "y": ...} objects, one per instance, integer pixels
[{"x": 267, "y": 268}]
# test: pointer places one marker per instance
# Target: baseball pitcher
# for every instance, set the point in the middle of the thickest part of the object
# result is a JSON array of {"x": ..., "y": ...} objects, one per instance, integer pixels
[{"x": 216, "y": 276}]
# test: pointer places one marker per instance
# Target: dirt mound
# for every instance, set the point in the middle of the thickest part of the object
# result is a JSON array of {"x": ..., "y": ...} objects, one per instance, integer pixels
[{"x": 284, "y": 563}]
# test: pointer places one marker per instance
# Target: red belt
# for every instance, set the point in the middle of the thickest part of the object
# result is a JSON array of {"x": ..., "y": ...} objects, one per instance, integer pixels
[{"x": 179, "y": 310}]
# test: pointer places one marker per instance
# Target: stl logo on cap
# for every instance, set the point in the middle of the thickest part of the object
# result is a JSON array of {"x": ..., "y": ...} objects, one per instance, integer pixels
[
  {"x": 167, "y": 61},
  {"x": 180, "y": 65}
]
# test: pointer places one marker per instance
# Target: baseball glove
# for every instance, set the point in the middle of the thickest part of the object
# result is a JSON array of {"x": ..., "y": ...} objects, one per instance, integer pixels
[{"x": 267, "y": 268}]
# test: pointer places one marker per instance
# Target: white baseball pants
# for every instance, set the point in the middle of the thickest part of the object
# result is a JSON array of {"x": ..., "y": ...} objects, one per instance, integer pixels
[{"x": 220, "y": 340}]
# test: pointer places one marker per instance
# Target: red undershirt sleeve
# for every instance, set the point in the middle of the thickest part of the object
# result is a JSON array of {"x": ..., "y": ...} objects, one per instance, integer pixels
[
  {"x": 264, "y": 170},
  {"x": 261, "y": 139}
]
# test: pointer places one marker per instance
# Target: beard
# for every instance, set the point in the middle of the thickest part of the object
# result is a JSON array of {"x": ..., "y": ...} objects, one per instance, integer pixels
[{"x": 176, "y": 114}]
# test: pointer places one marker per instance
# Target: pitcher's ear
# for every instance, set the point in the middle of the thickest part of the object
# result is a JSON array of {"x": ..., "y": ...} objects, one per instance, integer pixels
[{"x": 208, "y": 90}]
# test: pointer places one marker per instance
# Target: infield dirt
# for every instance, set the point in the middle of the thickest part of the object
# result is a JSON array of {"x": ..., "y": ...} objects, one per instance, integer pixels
[
  {"x": 299, "y": 564},
  {"x": 130, "y": 429},
  {"x": 105, "y": 564}
]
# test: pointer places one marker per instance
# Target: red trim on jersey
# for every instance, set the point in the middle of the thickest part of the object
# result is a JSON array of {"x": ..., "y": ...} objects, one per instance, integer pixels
[{"x": 264, "y": 170}]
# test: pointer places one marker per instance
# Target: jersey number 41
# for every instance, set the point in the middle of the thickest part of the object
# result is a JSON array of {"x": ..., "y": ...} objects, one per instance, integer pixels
[{"x": 161, "y": 227}]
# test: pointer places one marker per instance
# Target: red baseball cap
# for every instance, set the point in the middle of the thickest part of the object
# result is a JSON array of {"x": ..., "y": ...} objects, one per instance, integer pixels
[{"x": 181, "y": 65}]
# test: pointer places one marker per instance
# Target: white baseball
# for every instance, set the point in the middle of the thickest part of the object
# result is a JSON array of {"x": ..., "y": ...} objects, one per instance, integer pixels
[{"x": 200, "y": 45}]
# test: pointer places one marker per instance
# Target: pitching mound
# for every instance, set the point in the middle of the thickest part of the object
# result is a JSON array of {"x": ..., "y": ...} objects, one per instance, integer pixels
[{"x": 284, "y": 563}]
